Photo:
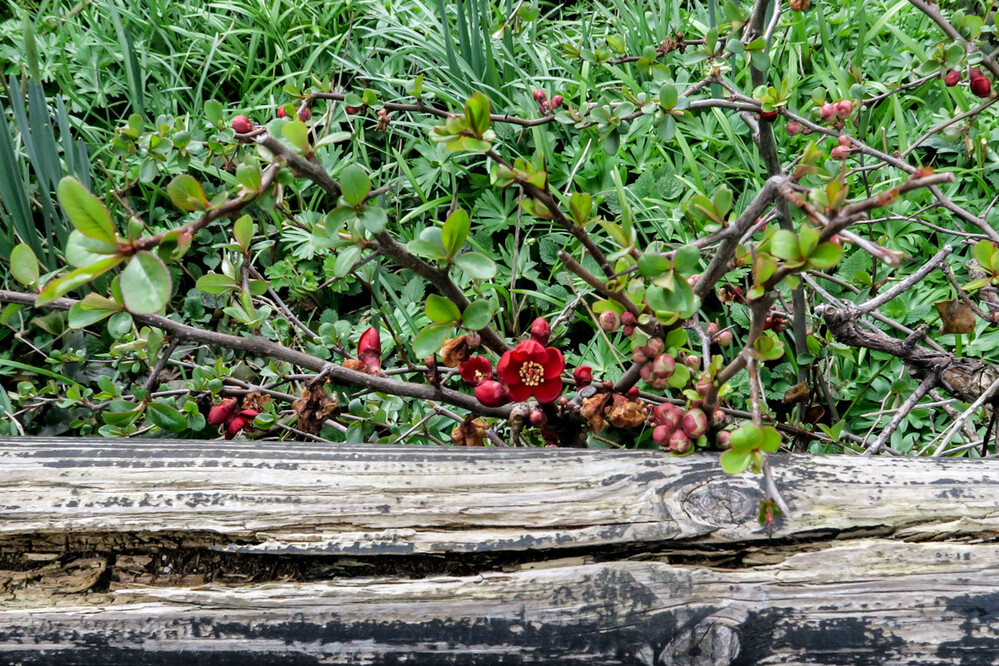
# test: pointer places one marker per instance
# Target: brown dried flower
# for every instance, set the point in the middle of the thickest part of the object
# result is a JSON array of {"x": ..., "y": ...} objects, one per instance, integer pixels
[
  {"x": 625, "y": 413},
  {"x": 314, "y": 407},
  {"x": 469, "y": 433},
  {"x": 455, "y": 351}
]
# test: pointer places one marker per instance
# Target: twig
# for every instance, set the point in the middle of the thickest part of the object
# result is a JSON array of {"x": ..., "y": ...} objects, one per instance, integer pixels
[
  {"x": 929, "y": 381},
  {"x": 960, "y": 421}
]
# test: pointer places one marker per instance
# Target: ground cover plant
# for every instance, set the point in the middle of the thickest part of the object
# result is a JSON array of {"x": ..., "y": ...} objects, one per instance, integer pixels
[{"x": 729, "y": 226}]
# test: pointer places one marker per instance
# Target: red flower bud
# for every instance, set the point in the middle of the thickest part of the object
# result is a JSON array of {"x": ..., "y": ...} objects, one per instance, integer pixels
[
  {"x": 645, "y": 372},
  {"x": 663, "y": 366},
  {"x": 242, "y": 125},
  {"x": 678, "y": 442},
  {"x": 628, "y": 319},
  {"x": 794, "y": 128},
  {"x": 843, "y": 140},
  {"x": 235, "y": 425},
  {"x": 981, "y": 86},
  {"x": 654, "y": 347},
  {"x": 661, "y": 435},
  {"x": 305, "y": 114},
  {"x": 476, "y": 370},
  {"x": 668, "y": 415},
  {"x": 628, "y": 331},
  {"x": 538, "y": 418},
  {"x": 695, "y": 423},
  {"x": 473, "y": 340},
  {"x": 583, "y": 376},
  {"x": 844, "y": 108},
  {"x": 222, "y": 412},
  {"x": 693, "y": 279},
  {"x": 632, "y": 393},
  {"x": 702, "y": 387},
  {"x": 952, "y": 78},
  {"x": 711, "y": 329},
  {"x": 351, "y": 110},
  {"x": 976, "y": 74},
  {"x": 768, "y": 116},
  {"x": 281, "y": 113},
  {"x": 693, "y": 361},
  {"x": 609, "y": 321},
  {"x": 638, "y": 355},
  {"x": 839, "y": 153},
  {"x": 492, "y": 394},
  {"x": 540, "y": 96},
  {"x": 556, "y": 101},
  {"x": 827, "y": 111},
  {"x": 724, "y": 439},
  {"x": 369, "y": 350},
  {"x": 541, "y": 331},
  {"x": 724, "y": 338}
]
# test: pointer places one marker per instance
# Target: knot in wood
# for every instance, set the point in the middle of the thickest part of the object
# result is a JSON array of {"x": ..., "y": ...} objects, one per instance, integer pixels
[{"x": 724, "y": 502}]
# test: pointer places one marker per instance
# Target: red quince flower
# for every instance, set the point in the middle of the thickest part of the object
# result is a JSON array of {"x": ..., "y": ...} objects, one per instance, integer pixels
[
  {"x": 476, "y": 370},
  {"x": 369, "y": 350},
  {"x": 492, "y": 394},
  {"x": 530, "y": 369}
]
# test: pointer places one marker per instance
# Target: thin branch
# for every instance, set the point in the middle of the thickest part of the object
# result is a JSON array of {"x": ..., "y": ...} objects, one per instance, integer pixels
[{"x": 902, "y": 413}]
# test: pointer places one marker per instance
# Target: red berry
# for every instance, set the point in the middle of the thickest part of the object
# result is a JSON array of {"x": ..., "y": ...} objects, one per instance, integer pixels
[
  {"x": 281, "y": 113},
  {"x": 981, "y": 86},
  {"x": 242, "y": 125},
  {"x": 583, "y": 376},
  {"x": 541, "y": 331},
  {"x": 492, "y": 394},
  {"x": 952, "y": 78}
]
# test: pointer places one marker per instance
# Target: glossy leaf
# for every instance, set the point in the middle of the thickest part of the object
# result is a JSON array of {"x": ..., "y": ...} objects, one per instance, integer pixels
[
  {"x": 477, "y": 315},
  {"x": 429, "y": 340},
  {"x": 145, "y": 284},
  {"x": 442, "y": 310},
  {"x": 185, "y": 192},
  {"x": 355, "y": 185},
  {"x": 455, "y": 232},
  {"x": 476, "y": 265},
  {"x": 85, "y": 211},
  {"x": 24, "y": 265}
]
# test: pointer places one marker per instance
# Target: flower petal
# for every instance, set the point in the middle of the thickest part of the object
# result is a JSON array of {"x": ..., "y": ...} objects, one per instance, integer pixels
[
  {"x": 529, "y": 349},
  {"x": 548, "y": 391},
  {"x": 554, "y": 364},
  {"x": 508, "y": 370},
  {"x": 520, "y": 392}
]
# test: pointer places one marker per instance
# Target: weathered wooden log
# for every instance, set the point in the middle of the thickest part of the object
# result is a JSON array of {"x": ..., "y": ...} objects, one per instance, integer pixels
[{"x": 211, "y": 552}]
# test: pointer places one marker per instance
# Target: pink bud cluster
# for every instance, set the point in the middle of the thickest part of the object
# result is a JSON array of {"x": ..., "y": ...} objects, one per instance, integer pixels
[
  {"x": 835, "y": 111},
  {"x": 546, "y": 106},
  {"x": 677, "y": 429},
  {"x": 842, "y": 150}
]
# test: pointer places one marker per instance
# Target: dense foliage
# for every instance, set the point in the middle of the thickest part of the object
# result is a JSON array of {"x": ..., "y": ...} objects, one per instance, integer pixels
[{"x": 294, "y": 174}]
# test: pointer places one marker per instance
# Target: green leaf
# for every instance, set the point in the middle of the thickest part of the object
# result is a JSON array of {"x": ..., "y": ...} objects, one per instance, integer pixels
[
  {"x": 441, "y": 310},
  {"x": 82, "y": 251},
  {"x": 784, "y": 245},
  {"x": 983, "y": 254},
  {"x": 80, "y": 316},
  {"x": 455, "y": 231},
  {"x": 476, "y": 265},
  {"x": 248, "y": 176},
  {"x": 668, "y": 96},
  {"x": 213, "y": 112},
  {"x": 652, "y": 264},
  {"x": 85, "y": 211},
  {"x": 214, "y": 283},
  {"x": 722, "y": 201},
  {"x": 808, "y": 238},
  {"x": 345, "y": 259},
  {"x": 81, "y": 276},
  {"x": 735, "y": 462},
  {"x": 746, "y": 438},
  {"x": 355, "y": 185},
  {"x": 373, "y": 218},
  {"x": 429, "y": 340},
  {"x": 826, "y": 255},
  {"x": 298, "y": 134},
  {"x": 145, "y": 284},
  {"x": 165, "y": 417},
  {"x": 477, "y": 315},
  {"x": 685, "y": 260},
  {"x": 185, "y": 192},
  {"x": 771, "y": 439},
  {"x": 24, "y": 265},
  {"x": 580, "y": 205},
  {"x": 243, "y": 230},
  {"x": 477, "y": 114},
  {"x": 766, "y": 348},
  {"x": 425, "y": 248}
]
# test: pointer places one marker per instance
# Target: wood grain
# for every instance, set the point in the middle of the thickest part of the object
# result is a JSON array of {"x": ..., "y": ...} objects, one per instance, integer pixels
[{"x": 566, "y": 557}]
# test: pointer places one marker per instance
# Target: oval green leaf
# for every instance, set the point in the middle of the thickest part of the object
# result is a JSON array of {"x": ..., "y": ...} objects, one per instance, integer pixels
[
  {"x": 355, "y": 184},
  {"x": 145, "y": 284},
  {"x": 476, "y": 265},
  {"x": 85, "y": 211},
  {"x": 185, "y": 192},
  {"x": 477, "y": 315},
  {"x": 24, "y": 265},
  {"x": 441, "y": 310}
]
